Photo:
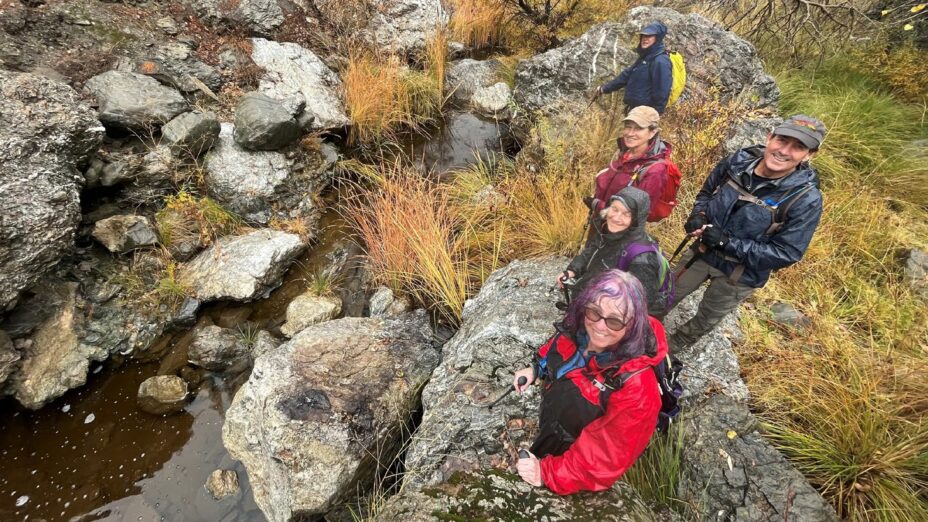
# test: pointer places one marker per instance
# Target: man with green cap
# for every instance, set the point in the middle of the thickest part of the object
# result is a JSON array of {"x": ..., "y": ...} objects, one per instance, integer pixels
[
  {"x": 648, "y": 80},
  {"x": 756, "y": 212}
]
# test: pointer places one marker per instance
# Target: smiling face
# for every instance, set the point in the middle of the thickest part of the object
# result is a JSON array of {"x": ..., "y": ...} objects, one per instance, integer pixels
[
  {"x": 601, "y": 336},
  {"x": 782, "y": 155},
  {"x": 646, "y": 40},
  {"x": 635, "y": 137},
  {"x": 618, "y": 217}
]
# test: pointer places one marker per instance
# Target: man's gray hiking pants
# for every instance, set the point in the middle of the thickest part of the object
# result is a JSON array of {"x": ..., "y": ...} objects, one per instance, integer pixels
[{"x": 720, "y": 299}]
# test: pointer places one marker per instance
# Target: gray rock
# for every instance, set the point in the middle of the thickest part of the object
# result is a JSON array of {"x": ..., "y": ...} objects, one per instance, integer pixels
[
  {"x": 384, "y": 303},
  {"x": 493, "y": 100},
  {"x": 9, "y": 356},
  {"x": 260, "y": 16},
  {"x": 222, "y": 483},
  {"x": 787, "y": 314},
  {"x": 176, "y": 66},
  {"x": 742, "y": 477},
  {"x": 162, "y": 394},
  {"x": 186, "y": 314},
  {"x": 46, "y": 136},
  {"x": 262, "y": 123},
  {"x": 500, "y": 330},
  {"x": 404, "y": 26},
  {"x": 265, "y": 343},
  {"x": 714, "y": 58},
  {"x": 134, "y": 101},
  {"x": 124, "y": 233},
  {"x": 751, "y": 132},
  {"x": 464, "y": 77},
  {"x": 118, "y": 172},
  {"x": 244, "y": 181},
  {"x": 191, "y": 134},
  {"x": 318, "y": 414},
  {"x": 502, "y": 495},
  {"x": 243, "y": 267},
  {"x": 307, "y": 310},
  {"x": 167, "y": 25},
  {"x": 219, "y": 349},
  {"x": 916, "y": 271},
  {"x": 291, "y": 69}
]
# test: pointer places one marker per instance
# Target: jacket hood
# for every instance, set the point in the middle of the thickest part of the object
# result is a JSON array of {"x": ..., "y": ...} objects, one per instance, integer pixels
[
  {"x": 639, "y": 203},
  {"x": 659, "y": 30},
  {"x": 742, "y": 162}
]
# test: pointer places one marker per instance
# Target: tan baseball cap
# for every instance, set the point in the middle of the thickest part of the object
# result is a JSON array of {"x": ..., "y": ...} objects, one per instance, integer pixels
[{"x": 644, "y": 116}]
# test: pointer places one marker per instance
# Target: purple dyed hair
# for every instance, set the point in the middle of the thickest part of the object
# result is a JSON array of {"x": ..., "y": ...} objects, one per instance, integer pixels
[{"x": 624, "y": 287}]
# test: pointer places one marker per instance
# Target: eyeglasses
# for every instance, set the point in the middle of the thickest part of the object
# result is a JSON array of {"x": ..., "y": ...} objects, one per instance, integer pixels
[{"x": 613, "y": 323}]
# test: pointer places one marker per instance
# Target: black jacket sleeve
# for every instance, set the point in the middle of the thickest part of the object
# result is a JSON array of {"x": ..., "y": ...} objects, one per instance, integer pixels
[
  {"x": 645, "y": 268},
  {"x": 578, "y": 264}
]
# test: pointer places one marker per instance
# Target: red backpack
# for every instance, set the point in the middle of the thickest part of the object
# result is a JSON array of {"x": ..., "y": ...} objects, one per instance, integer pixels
[{"x": 661, "y": 206}]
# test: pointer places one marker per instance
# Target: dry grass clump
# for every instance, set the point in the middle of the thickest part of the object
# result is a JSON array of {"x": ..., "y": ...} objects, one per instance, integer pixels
[
  {"x": 384, "y": 96},
  {"x": 188, "y": 218},
  {"x": 477, "y": 23}
]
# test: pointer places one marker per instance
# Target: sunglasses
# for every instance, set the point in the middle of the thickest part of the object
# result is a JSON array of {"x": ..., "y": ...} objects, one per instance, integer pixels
[{"x": 613, "y": 323}]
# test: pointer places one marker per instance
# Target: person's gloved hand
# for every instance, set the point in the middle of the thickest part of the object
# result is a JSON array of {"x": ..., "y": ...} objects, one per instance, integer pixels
[
  {"x": 597, "y": 92},
  {"x": 695, "y": 222},
  {"x": 590, "y": 202},
  {"x": 713, "y": 237}
]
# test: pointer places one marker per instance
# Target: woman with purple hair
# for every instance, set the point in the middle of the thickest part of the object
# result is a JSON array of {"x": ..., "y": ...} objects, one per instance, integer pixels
[{"x": 600, "y": 398}]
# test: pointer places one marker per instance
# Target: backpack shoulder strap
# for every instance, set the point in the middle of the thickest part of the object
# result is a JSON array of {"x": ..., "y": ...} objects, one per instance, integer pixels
[
  {"x": 782, "y": 210},
  {"x": 633, "y": 182},
  {"x": 632, "y": 251},
  {"x": 614, "y": 383}
]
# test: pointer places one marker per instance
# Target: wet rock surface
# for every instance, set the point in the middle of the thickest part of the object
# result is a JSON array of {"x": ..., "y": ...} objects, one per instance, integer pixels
[
  {"x": 740, "y": 475},
  {"x": 307, "y": 310},
  {"x": 191, "y": 134},
  {"x": 243, "y": 267},
  {"x": 47, "y": 136},
  {"x": 162, "y": 394},
  {"x": 714, "y": 58},
  {"x": 9, "y": 356},
  {"x": 318, "y": 412},
  {"x": 493, "y": 100},
  {"x": 262, "y": 123},
  {"x": 222, "y": 483},
  {"x": 466, "y": 76},
  {"x": 134, "y": 101},
  {"x": 219, "y": 349},
  {"x": 175, "y": 65},
  {"x": 124, "y": 233},
  {"x": 261, "y": 16},
  {"x": 290, "y": 70}
]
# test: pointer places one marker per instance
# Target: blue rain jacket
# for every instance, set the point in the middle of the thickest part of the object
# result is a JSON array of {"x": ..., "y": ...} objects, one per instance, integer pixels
[{"x": 649, "y": 79}]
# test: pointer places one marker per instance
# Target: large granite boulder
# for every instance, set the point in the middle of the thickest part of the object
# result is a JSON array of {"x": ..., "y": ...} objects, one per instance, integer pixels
[
  {"x": 500, "y": 329},
  {"x": 46, "y": 135},
  {"x": 320, "y": 413},
  {"x": 262, "y": 123},
  {"x": 261, "y": 185},
  {"x": 404, "y": 26},
  {"x": 714, "y": 58},
  {"x": 261, "y": 16},
  {"x": 735, "y": 474},
  {"x": 290, "y": 70},
  {"x": 243, "y": 267},
  {"x": 134, "y": 101}
]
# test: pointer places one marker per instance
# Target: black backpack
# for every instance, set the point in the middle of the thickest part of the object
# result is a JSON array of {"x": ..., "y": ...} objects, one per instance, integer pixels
[{"x": 668, "y": 382}]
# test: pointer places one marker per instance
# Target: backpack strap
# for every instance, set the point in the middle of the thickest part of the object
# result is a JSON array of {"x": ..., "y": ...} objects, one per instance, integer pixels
[
  {"x": 633, "y": 181},
  {"x": 782, "y": 211},
  {"x": 632, "y": 251},
  {"x": 615, "y": 383}
]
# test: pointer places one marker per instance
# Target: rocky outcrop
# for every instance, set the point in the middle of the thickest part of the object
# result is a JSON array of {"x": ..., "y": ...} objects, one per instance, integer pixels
[
  {"x": 259, "y": 185},
  {"x": 191, "y": 134},
  {"x": 124, "y": 233},
  {"x": 262, "y": 123},
  {"x": 134, "y": 101},
  {"x": 290, "y": 70},
  {"x": 243, "y": 267},
  {"x": 737, "y": 475},
  {"x": 749, "y": 132},
  {"x": 500, "y": 329},
  {"x": 175, "y": 64},
  {"x": 307, "y": 310},
  {"x": 404, "y": 26},
  {"x": 260, "y": 16},
  {"x": 318, "y": 414},
  {"x": 46, "y": 136},
  {"x": 714, "y": 58},
  {"x": 162, "y": 394},
  {"x": 219, "y": 349}
]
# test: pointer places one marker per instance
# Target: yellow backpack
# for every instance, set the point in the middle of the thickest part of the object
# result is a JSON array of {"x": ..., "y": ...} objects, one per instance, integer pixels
[{"x": 678, "y": 69}]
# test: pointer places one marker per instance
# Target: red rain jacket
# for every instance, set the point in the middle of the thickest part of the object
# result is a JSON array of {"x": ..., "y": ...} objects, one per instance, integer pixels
[
  {"x": 610, "y": 444},
  {"x": 618, "y": 174}
]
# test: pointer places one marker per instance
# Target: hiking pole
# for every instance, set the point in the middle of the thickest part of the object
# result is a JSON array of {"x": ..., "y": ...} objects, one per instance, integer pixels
[
  {"x": 522, "y": 380},
  {"x": 688, "y": 264},
  {"x": 686, "y": 239}
]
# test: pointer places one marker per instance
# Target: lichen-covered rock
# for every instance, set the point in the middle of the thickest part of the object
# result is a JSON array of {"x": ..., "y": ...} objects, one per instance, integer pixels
[
  {"x": 162, "y": 394},
  {"x": 307, "y": 310},
  {"x": 243, "y": 267},
  {"x": 191, "y": 134},
  {"x": 291, "y": 69},
  {"x": 493, "y": 100},
  {"x": 222, "y": 483},
  {"x": 465, "y": 77},
  {"x": 318, "y": 413},
  {"x": 384, "y": 303},
  {"x": 735, "y": 474},
  {"x": 262, "y": 123},
  {"x": 750, "y": 132},
  {"x": 134, "y": 101},
  {"x": 404, "y": 26},
  {"x": 500, "y": 495},
  {"x": 916, "y": 271},
  {"x": 500, "y": 329},
  {"x": 176, "y": 65},
  {"x": 218, "y": 349},
  {"x": 124, "y": 233},
  {"x": 260, "y": 16},
  {"x": 47, "y": 134},
  {"x": 715, "y": 58}
]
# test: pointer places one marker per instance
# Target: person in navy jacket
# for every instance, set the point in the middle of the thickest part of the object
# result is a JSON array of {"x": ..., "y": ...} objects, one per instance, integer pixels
[{"x": 648, "y": 80}]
